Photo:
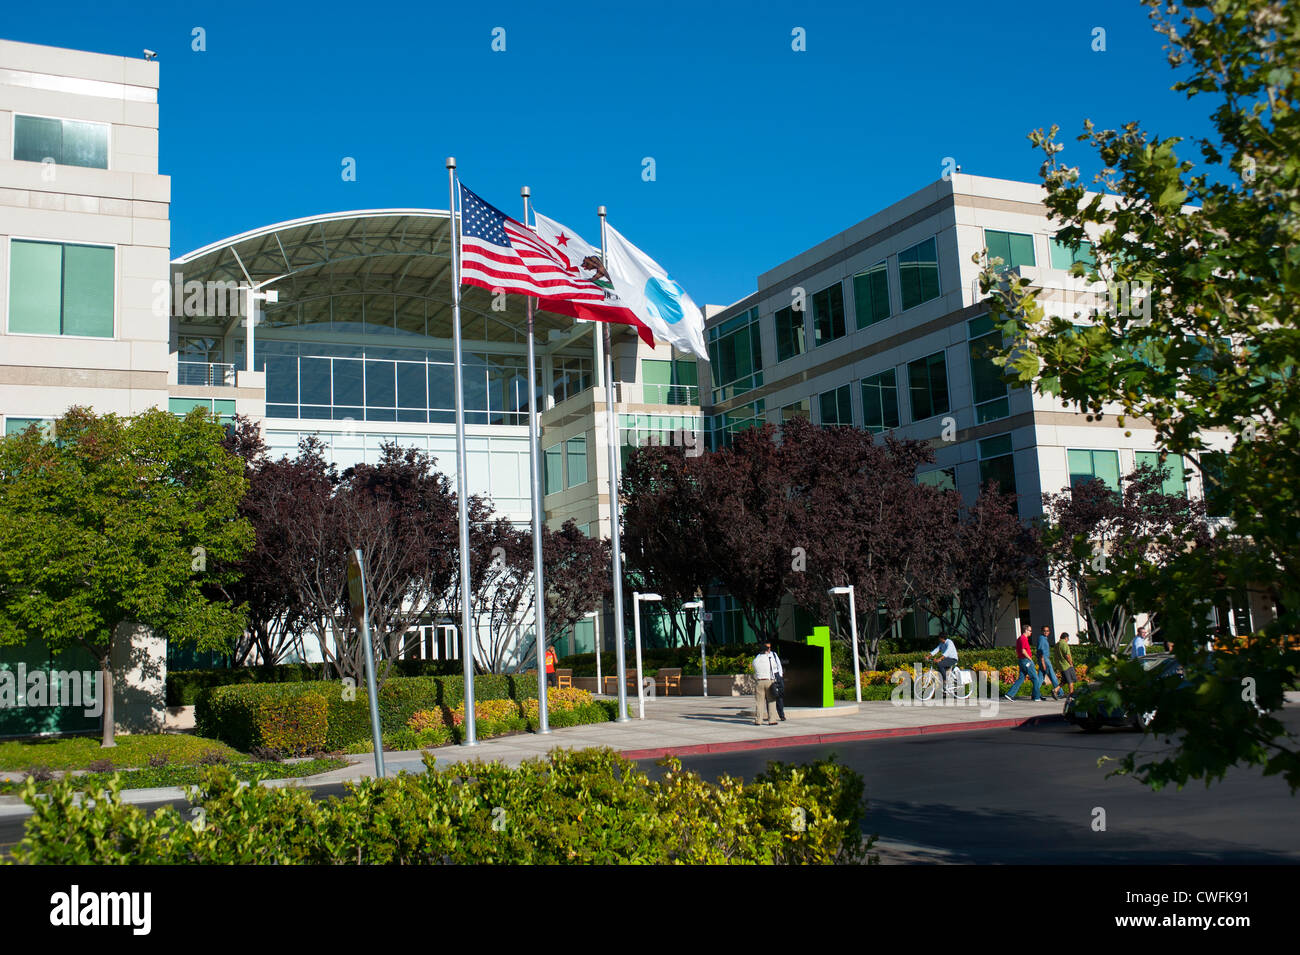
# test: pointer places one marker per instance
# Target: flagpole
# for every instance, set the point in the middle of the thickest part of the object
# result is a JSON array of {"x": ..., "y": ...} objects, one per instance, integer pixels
[
  {"x": 616, "y": 549},
  {"x": 462, "y": 479},
  {"x": 535, "y": 476}
]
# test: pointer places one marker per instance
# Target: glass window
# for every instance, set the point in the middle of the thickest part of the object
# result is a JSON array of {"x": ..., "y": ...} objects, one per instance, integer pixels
[
  {"x": 918, "y": 273},
  {"x": 871, "y": 295},
  {"x": 349, "y": 379},
  {"x": 828, "y": 314},
  {"x": 281, "y": 379},
  {"x": 1213, "y": 467},
  {"x": 570, "y": 375},
  {"x": 410, "y": 385},
  {"x": 927, "y": 380},
  {"x": 61, "y": 289},
  {"x": 789, "y": 333},
  {"x": 19, "y": 425},
  {"x": 575, "y": 455},
  {"x": 1062, "y": 256},
  {"x": 315, "y": 376},
  {"x": 997, "y": 463},
  {"x": 735, "y": 356},
  {"x": 68, "y": 142},
  {"x": 988, "y": 389},
  {"x": 381, "y": 386},
  {"x": 799, "y": 409},
  {"x": 1013, "y": 248},
  {"x": 942, "y": 478},
  {"x": 880, "y": 402},
  {"x": 554, "y": 469},
  {"x": 1175, "y": 482},
  {"x": 1086, "y": 465},
  {"x": 836, "y": 407}
]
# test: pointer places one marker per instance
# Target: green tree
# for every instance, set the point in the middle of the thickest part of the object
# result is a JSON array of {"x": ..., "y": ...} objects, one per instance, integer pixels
[
  {"x": 118, "y": 522},
  {"x": 1196, "y": 334}
]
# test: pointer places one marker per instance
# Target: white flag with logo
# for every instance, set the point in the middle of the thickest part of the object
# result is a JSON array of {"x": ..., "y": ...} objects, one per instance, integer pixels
[{"x": 635, "y": 284}]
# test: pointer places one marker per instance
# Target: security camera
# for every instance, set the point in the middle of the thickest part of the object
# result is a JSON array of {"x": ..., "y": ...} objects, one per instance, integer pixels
[{"x": 150, "y": 55}]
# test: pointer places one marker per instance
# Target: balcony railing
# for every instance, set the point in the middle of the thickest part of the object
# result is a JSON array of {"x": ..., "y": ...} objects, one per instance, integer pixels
[
  {"x": 207, "y": 373},
  {"x": 648, "y": 394}
]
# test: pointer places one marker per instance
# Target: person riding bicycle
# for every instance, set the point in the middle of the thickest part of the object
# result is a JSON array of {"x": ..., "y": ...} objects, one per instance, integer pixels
[{"x": 948, "y": 659}]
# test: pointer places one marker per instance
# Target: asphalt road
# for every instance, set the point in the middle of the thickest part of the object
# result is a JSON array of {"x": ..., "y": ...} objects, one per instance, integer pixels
[
  {"x": 1023, "y": 796},
  {"x": 1030, "y": 795}
]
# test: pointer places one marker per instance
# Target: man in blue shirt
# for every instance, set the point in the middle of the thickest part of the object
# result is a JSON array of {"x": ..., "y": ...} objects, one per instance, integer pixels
[{"x": 1043, "y": 650}]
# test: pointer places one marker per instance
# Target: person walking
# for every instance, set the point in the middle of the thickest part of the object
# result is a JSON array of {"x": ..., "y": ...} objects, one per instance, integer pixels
[
  {"x": 1139, "y": 647},
  {"x": 764, "y": 703},
  {"x": 947, "y": 661},
  {"x": 552, "y": 658},
  {"x": 1043, "y": 652},
  {"x": 778, "y": 683},
  {"x": 1025, "y": 657},
  {"x": 1064, "y": 660}
]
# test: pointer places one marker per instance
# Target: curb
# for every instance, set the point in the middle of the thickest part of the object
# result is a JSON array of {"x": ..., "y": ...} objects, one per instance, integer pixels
[{"x": 814, "y": 739}]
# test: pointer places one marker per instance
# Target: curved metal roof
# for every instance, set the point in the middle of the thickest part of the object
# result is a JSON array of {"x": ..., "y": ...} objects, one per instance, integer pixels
[{"x": 404, "y": 254}]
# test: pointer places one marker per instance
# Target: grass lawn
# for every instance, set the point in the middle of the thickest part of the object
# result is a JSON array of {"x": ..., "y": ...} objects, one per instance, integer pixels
[
  {"x": 80, "y": 752},
  {"x": 181, "y": 775}
]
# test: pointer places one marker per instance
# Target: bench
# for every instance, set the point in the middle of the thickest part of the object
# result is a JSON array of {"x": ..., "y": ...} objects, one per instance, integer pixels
[
  {"x": 668, "y": 678},
  {"x": 629, "y": 676}
]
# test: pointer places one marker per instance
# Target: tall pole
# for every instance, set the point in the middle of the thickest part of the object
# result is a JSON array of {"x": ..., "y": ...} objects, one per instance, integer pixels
[
  {"x": 535, "y": 476},
  {"x": 462, "y": 477},
  {"x": 636, "y": 626},
  {"x": 616, "y": 549},
  {"x": 853, "y": 626}
]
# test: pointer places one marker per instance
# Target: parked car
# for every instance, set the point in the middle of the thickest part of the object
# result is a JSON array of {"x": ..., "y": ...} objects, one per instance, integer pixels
[{"x": 1099, "y": 715}]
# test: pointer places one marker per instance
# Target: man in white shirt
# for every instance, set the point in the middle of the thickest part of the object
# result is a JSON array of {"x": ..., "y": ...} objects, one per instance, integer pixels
[
  {"x": 948, "y": 660},
  {"x": 766, "y": 667}
]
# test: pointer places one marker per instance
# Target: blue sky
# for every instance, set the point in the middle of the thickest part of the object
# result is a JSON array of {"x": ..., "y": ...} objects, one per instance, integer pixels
[{"x": 760, "y": 151}]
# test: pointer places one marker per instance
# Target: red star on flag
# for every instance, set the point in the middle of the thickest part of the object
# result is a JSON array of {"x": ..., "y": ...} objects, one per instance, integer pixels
[{"x": 561, "y": 239}]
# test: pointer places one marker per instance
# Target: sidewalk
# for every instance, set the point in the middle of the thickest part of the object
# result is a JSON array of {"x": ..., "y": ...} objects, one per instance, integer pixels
[
  {"x": 682, "y": 725},
  {"x": 692, "y": 725}
]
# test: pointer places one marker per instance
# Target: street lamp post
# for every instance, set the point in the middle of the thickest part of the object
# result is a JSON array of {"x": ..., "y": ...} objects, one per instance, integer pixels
[
  {"x": 698, "y": 605},
  {"x": 595, "y": 639},
  {"x": 853, "y": 632},
  {"x": 637, "y": 598}
]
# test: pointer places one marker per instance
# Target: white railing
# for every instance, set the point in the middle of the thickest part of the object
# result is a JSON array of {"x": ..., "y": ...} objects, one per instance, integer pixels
[
  {"x": 211, "y": 374},
  {"x": 631, "y": 392}
]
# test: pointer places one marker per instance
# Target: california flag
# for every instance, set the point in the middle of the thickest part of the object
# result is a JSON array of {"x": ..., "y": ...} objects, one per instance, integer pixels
[{"x": 635, "y": 283}]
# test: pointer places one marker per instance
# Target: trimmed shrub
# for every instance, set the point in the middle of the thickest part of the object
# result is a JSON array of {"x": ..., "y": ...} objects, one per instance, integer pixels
[
  {"x": 243, "y": 716},
  {"x": 583, "y": 807},
  {"x": 291, "y": 725},
  {"x": 230, "y": 713}
]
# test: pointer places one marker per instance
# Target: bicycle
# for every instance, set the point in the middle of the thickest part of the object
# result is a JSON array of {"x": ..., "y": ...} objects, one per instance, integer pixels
[{"x": 959, "y": 684}]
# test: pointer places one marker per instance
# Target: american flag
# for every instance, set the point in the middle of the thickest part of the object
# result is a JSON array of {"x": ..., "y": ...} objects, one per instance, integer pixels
[{"x": 498, "y": 252}]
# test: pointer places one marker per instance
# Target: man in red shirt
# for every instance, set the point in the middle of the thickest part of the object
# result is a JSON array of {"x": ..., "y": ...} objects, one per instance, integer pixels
[
  {"x": 1025, "y": 657},
  {"x": 551, "y": 659}
]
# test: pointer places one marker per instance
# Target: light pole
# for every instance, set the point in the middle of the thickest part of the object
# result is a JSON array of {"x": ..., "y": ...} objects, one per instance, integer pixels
[
  {"x": 595, "y": 639},
  {"x": 853, "y": 632},
  {"x": 636, "y": 627},
  {"x": 698, "y": 605}
]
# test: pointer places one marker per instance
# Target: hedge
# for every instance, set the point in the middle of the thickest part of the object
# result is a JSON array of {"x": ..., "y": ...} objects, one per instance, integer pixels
[
  {"x": 239, "y": 715},
  {"x": 184, "y": 686},
  {"x": 575, "y": 807}
]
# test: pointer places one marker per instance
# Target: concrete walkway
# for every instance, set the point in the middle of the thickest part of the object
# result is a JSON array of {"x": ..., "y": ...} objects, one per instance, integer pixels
[
  {"x": 692, "y": 724},
  {"x": 682, "y": 725}
]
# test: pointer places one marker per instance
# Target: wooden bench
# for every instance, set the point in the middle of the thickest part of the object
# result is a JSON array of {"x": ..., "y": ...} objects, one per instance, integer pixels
[
  {"x": 629, "y": 676},
  {"x": 563, "y": 679},
  {"x": 669, "y": 677}
]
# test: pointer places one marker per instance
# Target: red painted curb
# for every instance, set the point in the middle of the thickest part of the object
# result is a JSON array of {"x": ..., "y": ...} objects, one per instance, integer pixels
[{"x": 844, "y": 737}]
